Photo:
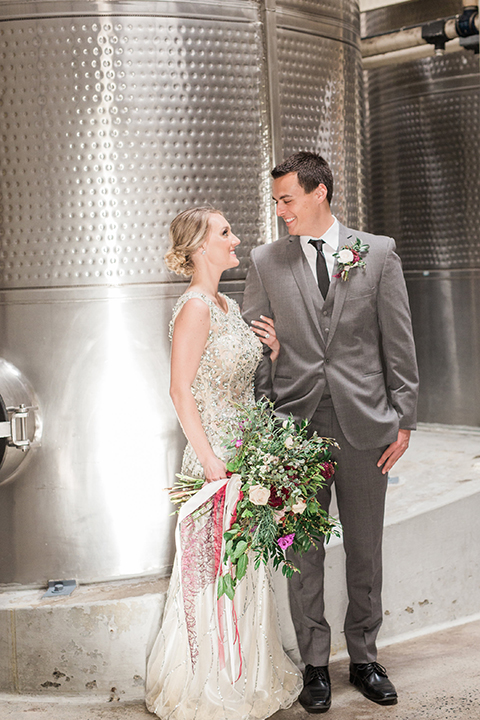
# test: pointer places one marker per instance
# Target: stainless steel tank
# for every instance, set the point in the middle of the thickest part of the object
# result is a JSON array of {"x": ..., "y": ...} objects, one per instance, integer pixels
[
  {"x": 424, "y": 129},
  {"x": 114, "y": 117}
]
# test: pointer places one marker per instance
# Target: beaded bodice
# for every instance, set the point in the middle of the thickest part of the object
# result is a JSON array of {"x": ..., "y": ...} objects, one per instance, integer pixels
[{"x": 225, "y": 375}]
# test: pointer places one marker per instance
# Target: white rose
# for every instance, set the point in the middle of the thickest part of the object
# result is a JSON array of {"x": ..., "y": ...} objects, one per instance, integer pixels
[
  {"x": 345, "y": 256},
  {"x": 299, "y": 507},
  {"x": 289, "y": 442},
  {"x": 259, "y": 494}
]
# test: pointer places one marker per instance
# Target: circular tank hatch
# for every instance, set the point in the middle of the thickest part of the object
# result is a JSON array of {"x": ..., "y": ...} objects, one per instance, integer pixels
[{"x": 19, "y": 420}]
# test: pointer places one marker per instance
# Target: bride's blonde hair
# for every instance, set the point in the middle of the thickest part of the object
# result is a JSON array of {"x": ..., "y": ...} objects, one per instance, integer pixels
[{"x": 188, "y": 231}]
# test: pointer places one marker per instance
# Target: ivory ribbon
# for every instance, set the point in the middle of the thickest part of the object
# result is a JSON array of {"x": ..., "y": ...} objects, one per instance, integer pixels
[
  {"x": 193, "y": 504},
  {"x": 189, "y": 507}
]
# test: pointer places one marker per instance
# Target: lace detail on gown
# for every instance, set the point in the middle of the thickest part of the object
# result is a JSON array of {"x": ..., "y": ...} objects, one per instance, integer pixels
[
  {"x": 218, "y": 660},
  {"x": 225, "y": 374}
]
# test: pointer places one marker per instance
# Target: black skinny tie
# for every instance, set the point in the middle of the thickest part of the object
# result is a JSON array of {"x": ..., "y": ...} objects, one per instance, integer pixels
[{"x": 323, "y": 278}]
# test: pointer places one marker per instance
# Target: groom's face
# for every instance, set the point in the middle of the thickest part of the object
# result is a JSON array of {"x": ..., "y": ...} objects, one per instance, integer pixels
[{"x": 299, "y": 210}]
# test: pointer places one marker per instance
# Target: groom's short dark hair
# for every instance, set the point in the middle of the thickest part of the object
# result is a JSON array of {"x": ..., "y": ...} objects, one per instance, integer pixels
[{"x": 312, "y": 170}]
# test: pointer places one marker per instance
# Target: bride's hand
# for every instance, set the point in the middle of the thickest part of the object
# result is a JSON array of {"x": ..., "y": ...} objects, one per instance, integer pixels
[
  {"x": 214, "y": 469},
  {"x": 265, "y": 329}
]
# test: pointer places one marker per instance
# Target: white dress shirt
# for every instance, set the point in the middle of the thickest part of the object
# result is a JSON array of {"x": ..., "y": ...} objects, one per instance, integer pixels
[{"x": 330, "y": 245}]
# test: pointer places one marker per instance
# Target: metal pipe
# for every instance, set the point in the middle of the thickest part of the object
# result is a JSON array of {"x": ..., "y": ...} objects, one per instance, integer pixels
[
  {"x": 407, "y": 54},
  {"x": 416, "y": 37},
  {"x": 399, "y": 40}
]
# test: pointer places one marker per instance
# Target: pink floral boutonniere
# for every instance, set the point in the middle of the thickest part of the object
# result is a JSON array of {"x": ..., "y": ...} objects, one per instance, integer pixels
[{"x": 349, "y": 257}]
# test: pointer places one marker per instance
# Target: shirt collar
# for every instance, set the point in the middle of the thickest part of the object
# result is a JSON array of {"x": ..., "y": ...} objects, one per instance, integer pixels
[{"x": 330, "y": 236}]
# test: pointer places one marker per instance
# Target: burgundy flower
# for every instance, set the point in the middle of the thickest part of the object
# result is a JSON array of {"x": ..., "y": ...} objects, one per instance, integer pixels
[
  {"x": 278, "y": 498},
  {"x": 292, "y": 472},
  {"x": 328, "y": 469}
]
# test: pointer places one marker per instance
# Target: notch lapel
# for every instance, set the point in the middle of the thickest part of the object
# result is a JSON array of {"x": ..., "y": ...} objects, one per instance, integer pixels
[
  {"x": 340, "y": 289},
  {"x": 305, "y": 281}
]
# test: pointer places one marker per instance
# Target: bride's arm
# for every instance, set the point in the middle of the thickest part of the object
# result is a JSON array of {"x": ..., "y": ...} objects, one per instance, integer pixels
[{"x": 190, "y": 335}]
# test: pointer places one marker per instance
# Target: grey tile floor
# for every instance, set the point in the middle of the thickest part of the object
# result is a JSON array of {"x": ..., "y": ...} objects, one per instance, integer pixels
[{"x": 437, "y": 677}]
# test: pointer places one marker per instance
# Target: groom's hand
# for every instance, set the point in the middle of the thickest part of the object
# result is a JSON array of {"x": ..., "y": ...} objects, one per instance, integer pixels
[{"x": 394, "y": 451}]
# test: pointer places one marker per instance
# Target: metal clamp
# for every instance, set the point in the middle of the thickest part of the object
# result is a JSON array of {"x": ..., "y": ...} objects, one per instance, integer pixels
[{"x": 18, "y": 433}]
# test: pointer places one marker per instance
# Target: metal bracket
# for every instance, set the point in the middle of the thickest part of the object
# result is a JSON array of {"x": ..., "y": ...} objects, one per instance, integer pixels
[
  {"x": 434, "y": 33},
  {"x": 16, "y": 428},
  {"x": 56, "y": 588}
]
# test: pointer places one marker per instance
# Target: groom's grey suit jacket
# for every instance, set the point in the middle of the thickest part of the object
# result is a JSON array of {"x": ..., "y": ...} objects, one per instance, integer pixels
[{"x": 356, "y": 346}]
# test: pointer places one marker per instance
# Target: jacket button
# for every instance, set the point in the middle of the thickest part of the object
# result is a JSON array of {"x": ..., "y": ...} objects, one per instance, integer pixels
[{"x": 327, "y": 360}]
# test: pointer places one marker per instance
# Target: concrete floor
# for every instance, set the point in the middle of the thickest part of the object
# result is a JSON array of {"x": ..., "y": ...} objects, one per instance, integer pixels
[{"x": 437, "y": 677}]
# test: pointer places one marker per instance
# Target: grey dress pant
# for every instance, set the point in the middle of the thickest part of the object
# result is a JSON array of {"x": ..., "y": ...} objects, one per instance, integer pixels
[{"x": 360, "y": 489}]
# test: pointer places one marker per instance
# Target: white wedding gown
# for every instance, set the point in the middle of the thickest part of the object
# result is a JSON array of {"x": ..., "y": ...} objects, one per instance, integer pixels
[{"x": 218, "y": 660}]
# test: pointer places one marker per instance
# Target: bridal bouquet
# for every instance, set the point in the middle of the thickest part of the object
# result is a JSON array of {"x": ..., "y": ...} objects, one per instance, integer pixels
[{"x": 279, "y": 471}]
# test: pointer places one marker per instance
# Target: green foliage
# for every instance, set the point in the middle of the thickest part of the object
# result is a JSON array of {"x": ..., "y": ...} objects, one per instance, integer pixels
[
  {"x": 279, "y": 470},
  {"x": 277, "y": 456}
]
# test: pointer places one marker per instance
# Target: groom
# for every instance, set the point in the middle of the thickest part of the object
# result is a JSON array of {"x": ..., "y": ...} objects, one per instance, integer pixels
[{"x": 347, "y": 363}]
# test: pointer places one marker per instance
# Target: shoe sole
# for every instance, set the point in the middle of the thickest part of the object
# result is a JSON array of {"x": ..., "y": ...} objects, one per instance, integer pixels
[
  {"x": 386, "y": 701},
  {"x": 315, "y": 711}
]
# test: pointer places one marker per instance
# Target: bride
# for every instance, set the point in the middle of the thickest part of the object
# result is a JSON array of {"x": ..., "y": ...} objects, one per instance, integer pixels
[{"x": 214, "y": 659}]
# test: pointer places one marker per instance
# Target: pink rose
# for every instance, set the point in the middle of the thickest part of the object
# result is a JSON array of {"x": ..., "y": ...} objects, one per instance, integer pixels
[{"x": 279, "y": 515}]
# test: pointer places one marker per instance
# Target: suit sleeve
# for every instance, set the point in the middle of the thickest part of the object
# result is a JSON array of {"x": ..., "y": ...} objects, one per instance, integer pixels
[
  {"x": 256, "y": 303},
  {"x": 398, "y": 346}
]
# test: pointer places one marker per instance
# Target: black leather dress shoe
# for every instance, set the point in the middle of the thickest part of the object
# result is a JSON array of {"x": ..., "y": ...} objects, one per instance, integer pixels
[
  {"x": 316, "y": 696},
  {"x": 372, "y": 680}
]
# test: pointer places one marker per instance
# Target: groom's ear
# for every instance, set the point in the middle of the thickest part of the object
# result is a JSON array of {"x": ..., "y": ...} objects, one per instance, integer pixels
[{"x": 321, "y": 193}]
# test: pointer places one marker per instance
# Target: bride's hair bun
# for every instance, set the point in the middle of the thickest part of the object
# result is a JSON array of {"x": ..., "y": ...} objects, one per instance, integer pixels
[{"x": 188, "y": 231}]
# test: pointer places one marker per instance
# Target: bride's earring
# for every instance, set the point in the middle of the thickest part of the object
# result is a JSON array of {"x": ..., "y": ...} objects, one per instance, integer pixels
[{"x": 203, "y": 251}]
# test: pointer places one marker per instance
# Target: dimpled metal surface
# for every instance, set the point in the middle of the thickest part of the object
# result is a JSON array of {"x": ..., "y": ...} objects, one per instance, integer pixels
[
  {"x": 424, "y": 140},
  {"x": 406, "y": 14},
  {"x": 345, "y": 11},
  {"x": 423, "y": 137},
  {"x": 113, "y": 126},
  {"x": 114, "y": 117},
  {"x": 321, "y": 92}
]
